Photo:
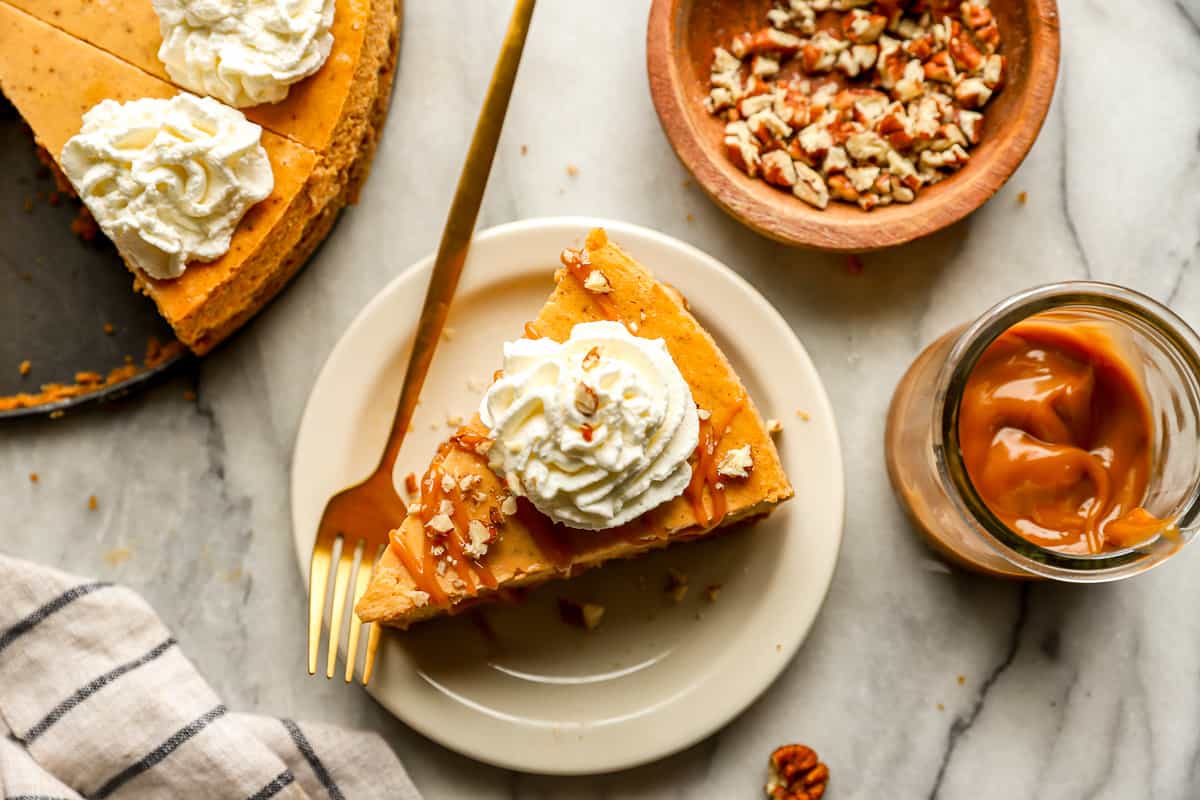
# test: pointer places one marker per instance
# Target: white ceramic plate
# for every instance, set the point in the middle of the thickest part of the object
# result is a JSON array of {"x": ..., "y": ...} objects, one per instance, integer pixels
[{"x": 537, "y": 695}]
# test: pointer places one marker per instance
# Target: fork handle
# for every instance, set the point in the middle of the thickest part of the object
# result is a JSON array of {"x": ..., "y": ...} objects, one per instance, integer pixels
[{"x": 460, "y": 224}]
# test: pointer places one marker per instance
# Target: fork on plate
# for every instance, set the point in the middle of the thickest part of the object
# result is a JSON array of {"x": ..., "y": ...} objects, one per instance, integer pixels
[{"x": 356, "y": 524}]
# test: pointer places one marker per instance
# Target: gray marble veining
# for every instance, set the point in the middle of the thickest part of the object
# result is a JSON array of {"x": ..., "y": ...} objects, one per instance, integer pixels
[{"x": 1068, "y": 692}]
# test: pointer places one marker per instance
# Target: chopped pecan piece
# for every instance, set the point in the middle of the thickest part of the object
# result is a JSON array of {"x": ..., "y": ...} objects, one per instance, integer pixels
[
  {"x": 586, "y": 400},
  {"x": 972, "y": 92},
  {"x": 940, "y": 68},
  {"x": 765, "y": 40},
  {"x": 777, "y": 169},
  {"x": 810, "y": 186},
  {"x": 862, "y": 27},
  {"x": 841, "y": 188},
  {"x": 965, "y": 54},
  {"x": 742, "y": 147},
  {"x": 976, "y": 15}
]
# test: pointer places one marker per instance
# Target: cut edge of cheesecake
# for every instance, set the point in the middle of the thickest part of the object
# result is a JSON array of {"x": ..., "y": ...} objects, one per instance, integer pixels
[
  {"x": 212, "y": 299},
  {"x": 421, "y": 576}
]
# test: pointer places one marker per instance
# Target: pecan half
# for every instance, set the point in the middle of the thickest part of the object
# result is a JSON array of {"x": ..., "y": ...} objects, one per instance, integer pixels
[{"x": 796, "y": 774}]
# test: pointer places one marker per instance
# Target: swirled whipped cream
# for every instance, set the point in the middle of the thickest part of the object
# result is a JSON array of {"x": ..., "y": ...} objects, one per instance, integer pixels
[
  {"x": 168, "y": 180},
  {"x": 244, "y": 52},
  {"x": 595, "y": 431}
]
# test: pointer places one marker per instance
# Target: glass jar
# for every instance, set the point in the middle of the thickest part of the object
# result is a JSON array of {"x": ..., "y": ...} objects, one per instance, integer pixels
[{"x": 926, "y": 466}]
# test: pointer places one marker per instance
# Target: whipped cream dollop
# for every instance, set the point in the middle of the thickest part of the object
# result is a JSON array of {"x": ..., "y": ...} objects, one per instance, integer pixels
[
  {"x": 244, "y": 52},
  {"x": 596, "y": 430},
  {"x": 168, "y": 180}
]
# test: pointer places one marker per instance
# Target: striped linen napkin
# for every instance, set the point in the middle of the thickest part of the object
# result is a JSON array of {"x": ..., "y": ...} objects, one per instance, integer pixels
[{"x": 98, "y": 701}]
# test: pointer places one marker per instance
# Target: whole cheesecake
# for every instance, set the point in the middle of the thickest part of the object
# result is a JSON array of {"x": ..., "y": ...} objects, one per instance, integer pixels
[{"x": 59, "y": 58}]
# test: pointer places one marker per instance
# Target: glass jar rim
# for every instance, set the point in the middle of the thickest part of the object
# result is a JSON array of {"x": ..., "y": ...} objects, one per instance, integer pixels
[{"x": 970, "y": 345}]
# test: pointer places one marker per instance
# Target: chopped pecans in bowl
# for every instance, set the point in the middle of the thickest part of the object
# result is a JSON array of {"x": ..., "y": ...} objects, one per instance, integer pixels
[{"x": 861, "y": 101}]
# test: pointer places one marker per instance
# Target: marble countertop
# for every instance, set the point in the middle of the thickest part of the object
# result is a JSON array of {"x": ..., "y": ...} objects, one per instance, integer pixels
[{"x": 1067, "y": 692}]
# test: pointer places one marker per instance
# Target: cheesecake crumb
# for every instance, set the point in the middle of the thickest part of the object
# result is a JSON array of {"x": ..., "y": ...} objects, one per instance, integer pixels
[
  {"x": 1023, "y": 198},
  {"x": 449, "y": 333},
  {"x": 108, "y": 328},
  {"x": 962, "y": 679},
  {"x": 774, "y": 426},
  {"x": 580, "y": 615},
  {"x": 524, "y": 149},
  {"x": 804, "y": 415},
  {"x": 93, "y": 504},
  {"x": 454, "y": 420},
  {"x": 711, "y": 592},
  {"x": 572, "y": 170},
  {"x": 691, "y": 218},
  {"x": 84, "y": 225},
  {"x": 676, "y": 585},
  {"x": 118, "y": 556},
  {"x": 88, "y": 382},
  {"x": 941, "y": 707},
  {"x": 25, "y": 367},
  {"x": 33, "y": 477}
]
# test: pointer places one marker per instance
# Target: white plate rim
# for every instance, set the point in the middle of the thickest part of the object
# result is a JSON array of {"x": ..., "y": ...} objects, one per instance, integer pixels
[{"x": 739, "y": 693}]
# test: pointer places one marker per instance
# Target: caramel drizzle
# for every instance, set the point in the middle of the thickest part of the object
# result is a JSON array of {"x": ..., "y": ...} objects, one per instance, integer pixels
[
  {"x": 423, "y": 567},
  {"x": 704, "y": 471}
]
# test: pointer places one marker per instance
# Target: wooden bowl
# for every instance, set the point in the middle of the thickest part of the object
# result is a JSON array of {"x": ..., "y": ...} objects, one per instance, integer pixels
[{"x": 679, "y": 46}]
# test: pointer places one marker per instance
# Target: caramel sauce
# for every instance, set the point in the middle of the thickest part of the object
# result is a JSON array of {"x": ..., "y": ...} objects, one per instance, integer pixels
[
  {"x": 423, "y": 573},
  {"x": 423, "y": 567},
  {"x": 1055, "y": 432},
  {"x": 704, "y": 472},
  {"x": 531, "y": 332}
]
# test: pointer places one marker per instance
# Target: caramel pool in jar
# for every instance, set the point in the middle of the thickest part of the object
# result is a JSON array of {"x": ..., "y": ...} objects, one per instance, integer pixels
[
  {"x": 1056, "y": 436},
  {"x": 1055, "y": 432}
]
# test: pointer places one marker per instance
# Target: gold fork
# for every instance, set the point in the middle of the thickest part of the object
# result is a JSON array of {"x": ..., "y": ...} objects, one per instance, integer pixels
[{"x": 357, "y": 520}]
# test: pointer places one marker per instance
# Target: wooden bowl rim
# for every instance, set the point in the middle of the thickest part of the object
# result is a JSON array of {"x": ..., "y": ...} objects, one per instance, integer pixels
[{"x": 791, "y": 221}]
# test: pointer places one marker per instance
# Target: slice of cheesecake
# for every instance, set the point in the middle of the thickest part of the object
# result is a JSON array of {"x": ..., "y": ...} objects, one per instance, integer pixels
[
  {"x": 320, "y": 140},
  {"x": 500, "y": 542}
]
